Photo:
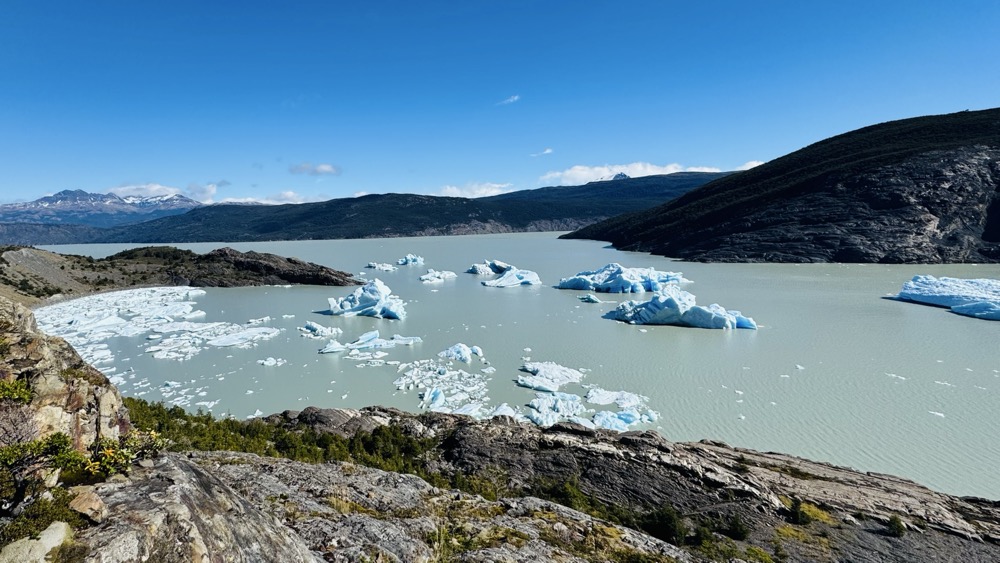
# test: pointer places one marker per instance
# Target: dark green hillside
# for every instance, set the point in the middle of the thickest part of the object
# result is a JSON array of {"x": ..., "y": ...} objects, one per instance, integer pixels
[
  {"x": 394, "y": 215},
  {"x": 915, "y": 190}
]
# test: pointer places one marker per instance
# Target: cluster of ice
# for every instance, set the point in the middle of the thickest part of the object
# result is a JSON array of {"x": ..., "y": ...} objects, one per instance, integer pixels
[
  {"x": 411, "y": 260},
  {"x": 443, "y": 389},
  {"x": 374, "y": 299},
  {"x": 434, "y": 276},
  {"x": 671, "y": 305},
  {"x": 461, "y": 353},
  {"x": 979, "y": 298},
  {"x": 381, "y": 266},
  {"x": 316, "y": 330},
  {"x": 514, "y": 277},
  {"x": 370, "y": 341},
  {"x": 489, "y": 268},
  {"x": 614, "y": 278},
  {"x": 163, "y": 314},
  {"x": 271, "y": 362},
  {"x": 547, "y": 376},
  {"x": 634, "y": 409}
]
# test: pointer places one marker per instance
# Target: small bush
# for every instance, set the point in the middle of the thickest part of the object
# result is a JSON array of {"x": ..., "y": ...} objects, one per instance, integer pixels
[
  {"x": 895, "y": 528},
  {"x": 797, "y": 514},
  {"x": 40, "y": 515},
  {"x": 15, "y": 390}
]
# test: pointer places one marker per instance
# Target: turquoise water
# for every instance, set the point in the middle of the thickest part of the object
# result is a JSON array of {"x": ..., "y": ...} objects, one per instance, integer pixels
[{"x": 876, "y": 375}]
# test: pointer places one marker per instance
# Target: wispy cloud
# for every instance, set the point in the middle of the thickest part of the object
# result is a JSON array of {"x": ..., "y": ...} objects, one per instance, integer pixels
[
  {"x": 482, "y": 189},
  {"x": 582, "y": 174},
  {"x": 750, "y": 164},
  {"x": 317, "y": 170},
  {"x": 279, "y": 198},
  {"x": 543, "y": 153},
  {"x": 509, "y": 100}
]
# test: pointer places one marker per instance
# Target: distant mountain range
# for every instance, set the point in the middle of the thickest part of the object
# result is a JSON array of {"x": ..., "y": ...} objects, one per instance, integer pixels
[
  {"x": 920, "y": 190},
  {"x": 77, "y": 207},
  {"x": 384, "y": 215}
]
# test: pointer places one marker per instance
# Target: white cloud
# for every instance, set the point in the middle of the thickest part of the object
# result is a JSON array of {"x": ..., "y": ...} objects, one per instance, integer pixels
[
  {"x": 204, "y": 193},
  {"x": 544, "y": 152},
  {"x": 580, "y": 174},
  {"x": 509, "y": 100},
  {"x": 279, "y": 198},
  {"x": 144, "y": 190},
  {"x": 750, "y": 164},
  {"x": 484, "y": 189},
  {"x": 317, "y": 170}
]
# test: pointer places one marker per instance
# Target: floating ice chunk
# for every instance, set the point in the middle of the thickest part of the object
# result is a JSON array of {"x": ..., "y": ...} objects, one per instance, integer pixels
[
  {"x": 547, "y": 376},
  {"x": 244, "y": 337},
  {"x": 374, "y": 299},
  {"x": 434, "y": 276},
  {"x": 513, "y": 278},
  {"x": 489, "y": 268},
  {"x": 547, "y": 409},
  {"x": 332, "y": 347},
  {"x": 590, "y": 298},
  {"x": 411, "y": 260},
  {"x": 461, "y": 353},
  {"x": 271, "y": 362},
  {"x": 504, "y": 410},
  {"x": 316, "y": 330},
  {"x": 671, "y": 305},
  {"x": 382, "y": 266},
  {"x": 610, "y": 420},
  {"x": 614, "y": 278},
  {"x": 261, "y": 320},
  {"x": 406, "y": 340},
  {"x": 256, "y": 414},
  {"x": 935, "y": 413},
  {"x": 623, "y": 399},
  {"x": 979, "y": 298}
]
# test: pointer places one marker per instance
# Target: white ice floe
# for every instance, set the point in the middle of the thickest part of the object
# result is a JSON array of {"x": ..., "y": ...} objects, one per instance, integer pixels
[
  {"x": 461, "y": 353},
  {"x": 614, "y": 278},
  {"x": 671, "y": 305},
  {"x": 590, "y": 298},
  {"x": 160, "y": 314},
  {"x": 259, "y": 321},
  {"x": 411, "y": 260},
  {"x": 316, "y": 330},
  {"x": 548, "y": 376},
  {"x": 434, "y": 276},
  {"x": 444, "y": 389},
  {"x": 514, "y": 277},
  {"x": 370, "y": 341},
  {"x": 271, "y": 362},
  {"x": 624, "y": 399},
  {"x": 382, "y": 266},
  {"x": 489, "y": 268},
  {"x": 979, "y": 298},
  {"x": 374, "y": 299}
]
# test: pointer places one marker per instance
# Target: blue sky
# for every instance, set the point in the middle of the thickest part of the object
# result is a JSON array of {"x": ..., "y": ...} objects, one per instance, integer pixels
[{"x": 306, "y": 101}]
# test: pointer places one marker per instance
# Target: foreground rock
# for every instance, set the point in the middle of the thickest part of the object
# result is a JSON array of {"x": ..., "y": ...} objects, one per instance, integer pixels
[
  {"x": 706, "y": 480},
  {"x": 68, "y": 395},
  {"x": 921, "y": 190}
]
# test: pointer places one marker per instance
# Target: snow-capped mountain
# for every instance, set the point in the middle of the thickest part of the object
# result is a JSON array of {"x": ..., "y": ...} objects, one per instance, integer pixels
[{"x": 77, "y": 207}]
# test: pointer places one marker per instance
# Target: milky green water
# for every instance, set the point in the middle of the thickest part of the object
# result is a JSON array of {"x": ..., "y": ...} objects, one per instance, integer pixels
[{"x": 742, "y": 387}]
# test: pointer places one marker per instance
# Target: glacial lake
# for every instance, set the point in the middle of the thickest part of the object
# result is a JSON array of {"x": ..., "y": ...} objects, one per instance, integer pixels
[{"x": 835, "y": 373}]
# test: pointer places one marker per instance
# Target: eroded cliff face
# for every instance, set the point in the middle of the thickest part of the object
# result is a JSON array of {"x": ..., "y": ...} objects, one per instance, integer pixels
[{"x": 68, "y": 395}]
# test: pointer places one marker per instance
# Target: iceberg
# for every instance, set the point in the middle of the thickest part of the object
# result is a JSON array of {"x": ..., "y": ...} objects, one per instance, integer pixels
[
  {"x": 461, "y": 353},
  {"x": 434, "y": 276},
  {"x": 979, "y": 298},
  {"x": 513, "y": 278},
  {"x": 382, "y": 266},
  {"x": 671, "y": 305},
  {"x": 614, "y": 278},
  {"x": 332, "y": 347},
  {"x": 411, "y": 260},
  {"x": 624, "y": 399},
  {"x": 244, "y": 337},
  {"x": 271, "y": 362},
  {"x": 374, "y": 299},
  {"x": 316, "y": 330},
  {"x": 590, "y": 298},
  {"x": 547, "y": 409},
  {"x": 489, "y": 268},
  {"x": 547, "y": 376}
]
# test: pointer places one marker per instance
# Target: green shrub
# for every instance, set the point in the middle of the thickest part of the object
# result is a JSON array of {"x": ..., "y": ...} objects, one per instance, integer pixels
[
  {"x": 896, "y": 528},
  {"x": 40, "y": 515},
  {"x": 16, "y": 390},
  {"x": 797, "y": 514}
]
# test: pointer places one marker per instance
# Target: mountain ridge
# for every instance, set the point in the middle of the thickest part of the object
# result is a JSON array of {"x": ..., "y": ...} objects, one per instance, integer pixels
[{"x": 922, "y": 190}]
